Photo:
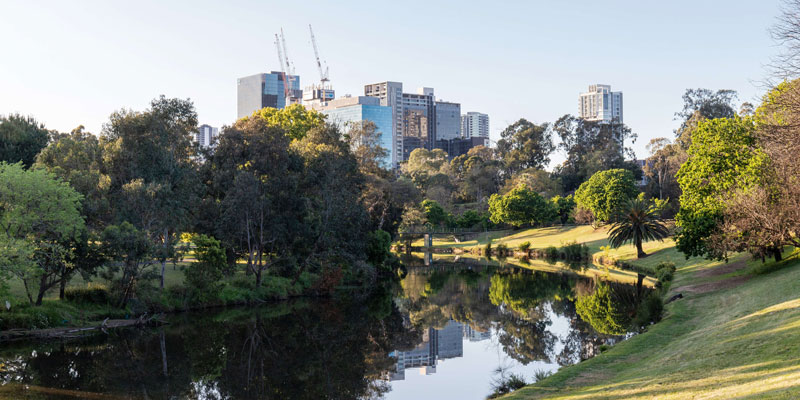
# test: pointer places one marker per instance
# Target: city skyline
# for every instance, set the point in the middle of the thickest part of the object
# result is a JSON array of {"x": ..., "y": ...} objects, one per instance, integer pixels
[{"x": 531, "y": 61}]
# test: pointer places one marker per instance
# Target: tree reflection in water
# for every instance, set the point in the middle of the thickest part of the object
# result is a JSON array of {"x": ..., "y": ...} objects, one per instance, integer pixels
[{"x": 321, "y": 348}]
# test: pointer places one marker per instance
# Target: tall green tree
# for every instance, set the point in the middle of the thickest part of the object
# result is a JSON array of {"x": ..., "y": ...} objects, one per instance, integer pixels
[
  {"x": 38, "y": 214},
  {"x": 590, "y": 147},
  {"x": 524, "y": 145},
  {"x": 295, "y": 120},
  {"x": 722, "y": 156},
  {"x": 605, "y": 192},
  {"x": 21, "y": 139},
  {"x": 149, "y": 157}
]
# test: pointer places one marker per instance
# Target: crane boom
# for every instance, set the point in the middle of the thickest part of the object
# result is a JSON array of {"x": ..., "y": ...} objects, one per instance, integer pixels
[
  {"x": 282, "y": 63},
  {"x": 323, "y": 76}
]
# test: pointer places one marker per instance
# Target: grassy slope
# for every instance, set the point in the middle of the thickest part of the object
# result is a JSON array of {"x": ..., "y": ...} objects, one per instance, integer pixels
[{"x": 738, "y": 337}]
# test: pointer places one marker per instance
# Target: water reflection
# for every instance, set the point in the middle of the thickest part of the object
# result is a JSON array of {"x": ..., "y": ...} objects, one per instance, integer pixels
[{"x": 440, "y": 333}]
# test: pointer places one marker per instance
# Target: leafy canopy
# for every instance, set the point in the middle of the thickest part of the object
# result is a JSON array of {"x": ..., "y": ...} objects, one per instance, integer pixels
[
  {"x": 605, "y": 192},
  {"x": 521, "y": 206}
]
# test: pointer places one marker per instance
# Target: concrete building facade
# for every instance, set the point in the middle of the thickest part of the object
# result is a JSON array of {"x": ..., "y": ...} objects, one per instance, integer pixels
[
  {"x": 475, "y": 124},
  {"x": 600, "y": 104}
]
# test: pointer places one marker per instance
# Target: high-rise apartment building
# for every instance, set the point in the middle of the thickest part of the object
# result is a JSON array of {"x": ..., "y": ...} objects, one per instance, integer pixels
[
  {"x": 600, "y": 104},
  {"x": 347, "y": 111},
  {"x": 257, "y": 91},
  {"x": 205, "y": 135},
  {"x": 475, "y": 124},
  {"x": 419, "y": 120}
]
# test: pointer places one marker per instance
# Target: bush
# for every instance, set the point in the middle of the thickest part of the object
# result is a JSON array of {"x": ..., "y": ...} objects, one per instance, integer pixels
[
  {"x": 575, "y": 251},
  {"x": 552, "y": 253},
  {"x": 650, "y": 310},
  {"x": 664, "y": 276},
  {"x": 93, "y": 293},
  {"x": 524, "y": 246},
  {"x": 489, "y": 249},
  {"x": 502, "y": 249},
  {"x": 204, "y": 276}
]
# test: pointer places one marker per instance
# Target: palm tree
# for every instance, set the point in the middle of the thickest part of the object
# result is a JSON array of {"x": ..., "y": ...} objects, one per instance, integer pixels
[{"x": 638, "y": 222}]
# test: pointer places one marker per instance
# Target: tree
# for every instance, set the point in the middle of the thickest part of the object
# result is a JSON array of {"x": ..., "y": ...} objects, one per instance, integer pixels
[
  {"x": 608, "y": 309},
  {"x": 637, "y": 221},
  {"x": 434, "y": 213},
  {"x": 133, "y": 251},
  {"x": 521, "y": 206},
  {"x": 38, "y": 214},
  {"x": 204, "y": 275},
  {"x": 662, "y": 166},
  {"x": 523, "y": 145},
  {"x": 539, "y": 180},
  {"x": 424, "y": 165},
  {"x": 563, "y": 207},
  {"x": 149, "y": 157},
  {"x": 722, "y": 156},
  {"x": 21, "y": 139},
  {"x": 590, "y": 147},
  {"x": 295, "y": 120},
  {"x": 365, "y": 143},
  {"x": 255, "y": 181},
  {"x": 476, "y": 174},
  {"x": 605, "y": 191}
]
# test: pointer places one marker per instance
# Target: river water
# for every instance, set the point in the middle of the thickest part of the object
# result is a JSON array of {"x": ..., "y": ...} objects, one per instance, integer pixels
[{"x": 448, "y": 331}]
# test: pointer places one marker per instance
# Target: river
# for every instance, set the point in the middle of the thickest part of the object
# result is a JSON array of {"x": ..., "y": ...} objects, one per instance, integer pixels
[{"x": 448, "y": 331}]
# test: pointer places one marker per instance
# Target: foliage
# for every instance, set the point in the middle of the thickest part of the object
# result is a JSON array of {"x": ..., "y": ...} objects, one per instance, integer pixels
[
  {"x": 637, "y": 221},
  {"x": 605, "y": 192},
  {"x": 521, "y": 206},
  {"x": 523, "y": 145},
  {"x": 604, "y": 310},
  {"x": 476, "y": 174},
  {"x": 524, "y": 246},
  {"x": 365, "y": 143},
  {"x": 21, "y": 139},
  {"x": 722, "y": 156},
  {"x": 540, "y": 181},
  {"x": 132, "y": 250},
  {"x": 39, "y": 216},
  {"x": 294, "y": 120},
  {"x": 204, "y": 276},
  {"x": 379, "y": 244},
  {"x": 564, "y": 207},
  {"x": 93, "y": 293},
  {"x": 592, "y": 146},
  {"x": 434, "y": 213}
]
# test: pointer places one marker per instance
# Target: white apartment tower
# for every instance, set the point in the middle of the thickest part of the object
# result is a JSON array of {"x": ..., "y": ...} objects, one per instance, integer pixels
[
  {"x": 205, "y": 135},
  {"x": 600, "y": 104},
  {"x": 475, "y": 124}
]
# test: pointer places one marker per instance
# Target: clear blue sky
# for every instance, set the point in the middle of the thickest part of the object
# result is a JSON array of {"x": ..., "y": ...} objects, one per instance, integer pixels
[{"x": 71, "y": 63}]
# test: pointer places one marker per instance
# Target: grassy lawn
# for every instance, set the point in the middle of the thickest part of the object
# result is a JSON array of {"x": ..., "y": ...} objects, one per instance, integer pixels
[{"x": 735, "y": 335}]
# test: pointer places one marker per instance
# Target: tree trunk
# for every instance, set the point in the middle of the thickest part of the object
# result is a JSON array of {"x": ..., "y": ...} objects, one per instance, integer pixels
[
  {"x": 776, "y": 252},
  {"x": 163, "y": 271},
  {"x": 639, "y": 283},
  {"x": 42, "y": 289},
  {"x": 639, "y": 251},
  {"x": 63, "y": 287},
  {"x": 163, "y": 352},
  {"x": 164, "y": 257}
]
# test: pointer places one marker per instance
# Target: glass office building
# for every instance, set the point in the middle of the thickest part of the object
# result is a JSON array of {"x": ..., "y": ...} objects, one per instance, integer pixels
[
  {"x": 347, "y": 111},
  {"x": 257, "y": 91}
]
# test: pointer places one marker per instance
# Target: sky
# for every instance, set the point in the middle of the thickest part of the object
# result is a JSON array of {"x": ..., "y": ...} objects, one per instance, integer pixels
[{"x": 74, "y": 63}]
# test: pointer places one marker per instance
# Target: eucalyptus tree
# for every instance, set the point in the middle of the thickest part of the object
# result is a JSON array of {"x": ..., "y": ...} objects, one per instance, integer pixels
[
  {"x": 149, "y": 158},
  {"x": 21, "y": 139}
]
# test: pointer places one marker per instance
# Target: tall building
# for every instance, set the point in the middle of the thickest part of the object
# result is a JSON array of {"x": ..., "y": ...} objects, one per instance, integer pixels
[
  {"x": 437, "y": 344},
  {"x": 600, "y": 104},
  {"x": 448, "y": 120},
  {"x": 257, "y": 91},
  {"x": 346, "y": 111},
  {"x": 390, "y": 94},
  {"x": 419, "y": 120},
  {"x": 475, "y": 124},
  {"x": 205, "y": 135}
]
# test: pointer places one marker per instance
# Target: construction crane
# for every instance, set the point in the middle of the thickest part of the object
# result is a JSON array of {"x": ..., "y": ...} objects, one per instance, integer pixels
[
  {"x": 323, "y": 75},
  {"x": 286, "y": 68}
]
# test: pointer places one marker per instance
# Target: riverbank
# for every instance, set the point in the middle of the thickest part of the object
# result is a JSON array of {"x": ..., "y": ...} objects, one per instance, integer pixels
[{"x": 735, "y": 334}]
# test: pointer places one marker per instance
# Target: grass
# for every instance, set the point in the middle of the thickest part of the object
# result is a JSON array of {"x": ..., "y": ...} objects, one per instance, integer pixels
[{"x": 736, "y": 334}]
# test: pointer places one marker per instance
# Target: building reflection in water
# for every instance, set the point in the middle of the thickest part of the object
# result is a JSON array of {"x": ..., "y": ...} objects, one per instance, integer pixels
[{"x": 437, "y": 344}]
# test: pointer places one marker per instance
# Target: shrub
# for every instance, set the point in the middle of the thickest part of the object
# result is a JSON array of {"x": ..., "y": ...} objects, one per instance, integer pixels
[
  {"x": 650, "y": 310},
  {"x": 204, "y": 276},
  {"x": 604, "y": 348},
  {"x": 575, "y": 251},
  {"x": 502, "y": 249},
  {"x": 524, "y": 246},
  {"x": 664, "y": 275},
  {"x": 489, "y": 248},
  {"x": 93, "y": 293},
  {"x": 665, "y": 265},
  {"x": 551, "y": 253}
]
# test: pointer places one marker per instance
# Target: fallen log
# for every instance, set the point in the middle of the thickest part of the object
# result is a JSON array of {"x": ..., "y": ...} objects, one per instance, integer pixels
[
  {"x": 673, "y": 298},
  {"x": 73, "y": 332}
]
